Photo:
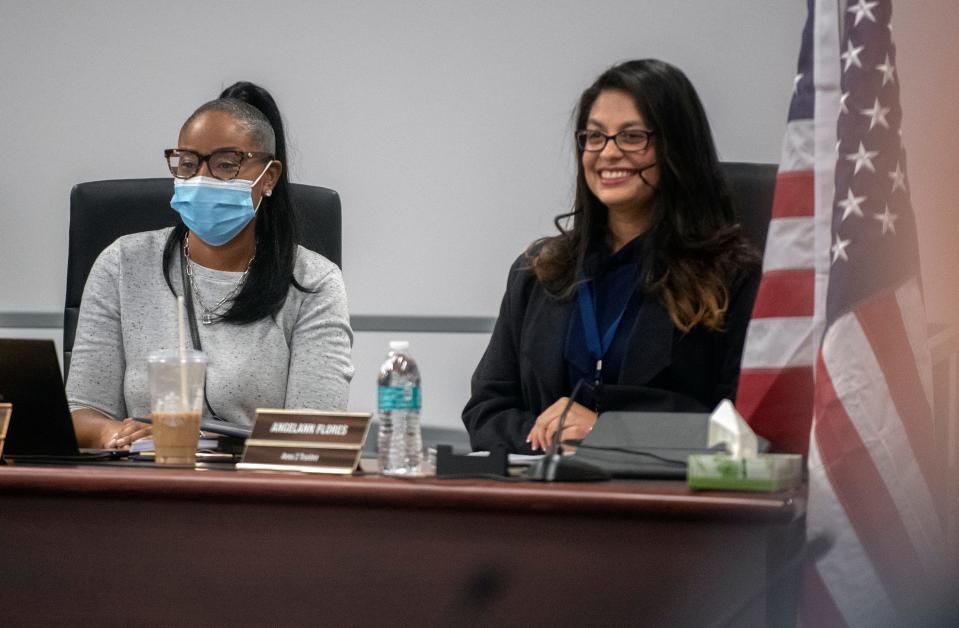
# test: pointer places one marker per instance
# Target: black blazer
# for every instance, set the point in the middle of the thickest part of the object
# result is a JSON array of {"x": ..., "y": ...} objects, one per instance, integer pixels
[{"x": 523, "y": 371}]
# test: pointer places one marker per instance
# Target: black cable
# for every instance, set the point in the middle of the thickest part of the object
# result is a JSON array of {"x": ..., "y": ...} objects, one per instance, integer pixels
[{"x": 635, "y": 452}]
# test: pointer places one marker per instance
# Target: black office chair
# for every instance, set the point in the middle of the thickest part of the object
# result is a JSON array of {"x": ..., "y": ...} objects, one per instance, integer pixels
[
  {"x": 751, "y": 187},
  {"x": 102, "y": 211}
]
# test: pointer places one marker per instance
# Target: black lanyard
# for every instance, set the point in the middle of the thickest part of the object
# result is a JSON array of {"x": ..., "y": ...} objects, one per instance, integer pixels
[{"x": 194, "y": 331}]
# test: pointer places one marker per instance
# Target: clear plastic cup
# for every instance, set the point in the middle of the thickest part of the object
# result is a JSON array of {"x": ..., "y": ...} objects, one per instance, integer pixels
[{"x": 176, "y": 404}]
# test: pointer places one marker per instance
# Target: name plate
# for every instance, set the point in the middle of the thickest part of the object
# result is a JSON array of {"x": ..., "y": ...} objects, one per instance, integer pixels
[{"x": 306, "y": 440}]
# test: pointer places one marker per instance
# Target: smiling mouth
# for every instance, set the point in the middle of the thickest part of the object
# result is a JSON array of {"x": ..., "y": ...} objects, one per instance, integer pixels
[{"x": 616, "y": 174}]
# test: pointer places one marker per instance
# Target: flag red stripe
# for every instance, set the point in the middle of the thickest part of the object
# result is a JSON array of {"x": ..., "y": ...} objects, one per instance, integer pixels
[
  {"x": 786, "y": 292},
  {"x": 881, "y": 320},
  {"x": 818, "y": 609},
  {"x": 777, "y": 404},
  {"x": 860, "y": 489},
  {"x": 794, "y": 196}
]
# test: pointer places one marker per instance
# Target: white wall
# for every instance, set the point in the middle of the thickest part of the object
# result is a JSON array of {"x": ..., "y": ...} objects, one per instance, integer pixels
[{"x": 443, "y": 125}]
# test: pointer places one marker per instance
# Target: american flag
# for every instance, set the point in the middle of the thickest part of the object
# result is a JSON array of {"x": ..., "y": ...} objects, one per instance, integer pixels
[
  {"x": 776, "y": 380},
  {"x": 839, "y": 333}
]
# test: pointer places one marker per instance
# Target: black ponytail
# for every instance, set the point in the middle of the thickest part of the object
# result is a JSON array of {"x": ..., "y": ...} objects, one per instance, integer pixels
[{"x": 271, "y": 272}]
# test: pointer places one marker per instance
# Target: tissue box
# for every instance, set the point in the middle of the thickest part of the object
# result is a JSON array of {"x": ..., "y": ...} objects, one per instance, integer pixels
[{"x": 765, "y": 472}]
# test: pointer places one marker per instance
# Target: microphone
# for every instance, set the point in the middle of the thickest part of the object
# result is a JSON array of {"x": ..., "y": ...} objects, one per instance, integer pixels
[
  {"x": 554, "y": 467},
  {"x": 640, "y": 172}
]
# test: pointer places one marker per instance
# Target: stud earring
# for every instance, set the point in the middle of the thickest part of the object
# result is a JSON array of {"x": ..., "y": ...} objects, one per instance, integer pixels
[{"x": 268, "y": 192}]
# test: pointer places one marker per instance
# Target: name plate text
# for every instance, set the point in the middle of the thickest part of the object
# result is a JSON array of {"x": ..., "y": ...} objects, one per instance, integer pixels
[{"x": 306, "y": 440}]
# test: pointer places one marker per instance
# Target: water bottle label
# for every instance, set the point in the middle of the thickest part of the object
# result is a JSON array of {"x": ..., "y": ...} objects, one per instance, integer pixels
[{"x": 399, "y": 397}]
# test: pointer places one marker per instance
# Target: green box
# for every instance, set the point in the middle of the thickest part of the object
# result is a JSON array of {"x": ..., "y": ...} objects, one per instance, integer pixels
[{"x": 765, "y": 472}]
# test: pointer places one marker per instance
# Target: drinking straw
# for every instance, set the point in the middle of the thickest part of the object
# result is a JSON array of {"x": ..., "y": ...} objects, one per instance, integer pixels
[{"x": 181, "y": 327}]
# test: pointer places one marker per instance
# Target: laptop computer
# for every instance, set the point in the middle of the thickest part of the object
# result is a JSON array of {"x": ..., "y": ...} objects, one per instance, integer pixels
[{"x": 40, "y": 426}]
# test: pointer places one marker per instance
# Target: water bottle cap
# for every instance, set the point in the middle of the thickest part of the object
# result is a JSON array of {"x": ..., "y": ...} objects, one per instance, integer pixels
[{"x": 399, "y": 345}]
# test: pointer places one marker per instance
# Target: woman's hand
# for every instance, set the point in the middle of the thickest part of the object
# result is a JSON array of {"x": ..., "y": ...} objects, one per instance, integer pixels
[
  {"x": 97, "y": 430},
  {"x": 579, "y": 423},
  {"x": 124, "y": 433}
]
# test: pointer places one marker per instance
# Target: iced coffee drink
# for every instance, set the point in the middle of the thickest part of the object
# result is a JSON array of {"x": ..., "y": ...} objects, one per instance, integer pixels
[
  {"x": 176, "y": 404},
  {"x": 175, "y": 436}
]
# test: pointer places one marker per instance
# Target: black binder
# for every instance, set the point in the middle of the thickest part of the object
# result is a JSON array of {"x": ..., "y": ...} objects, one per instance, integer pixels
[{"x": 652, "y": 445}]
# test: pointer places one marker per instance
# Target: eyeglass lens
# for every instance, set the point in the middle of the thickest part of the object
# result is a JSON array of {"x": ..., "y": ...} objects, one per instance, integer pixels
[
  {"x": 627, "y": 140},
  {"x": 222, "y": 164}
]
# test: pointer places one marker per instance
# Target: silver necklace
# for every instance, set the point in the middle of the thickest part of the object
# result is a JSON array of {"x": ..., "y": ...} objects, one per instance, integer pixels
[{"x": 210, "y": 314}]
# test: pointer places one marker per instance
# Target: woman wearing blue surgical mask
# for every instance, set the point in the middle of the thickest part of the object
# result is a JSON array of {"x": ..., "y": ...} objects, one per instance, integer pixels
[{"x": 272, "y": 316}]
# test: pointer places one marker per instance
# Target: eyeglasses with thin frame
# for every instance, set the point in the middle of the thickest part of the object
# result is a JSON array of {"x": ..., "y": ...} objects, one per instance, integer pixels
[
  {"x": 223, "y": 164},
  {"x": 628, "y": 140}
]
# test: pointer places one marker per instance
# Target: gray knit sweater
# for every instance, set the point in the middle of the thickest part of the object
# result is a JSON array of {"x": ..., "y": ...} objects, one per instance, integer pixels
[{"x": 299, "y": 359}]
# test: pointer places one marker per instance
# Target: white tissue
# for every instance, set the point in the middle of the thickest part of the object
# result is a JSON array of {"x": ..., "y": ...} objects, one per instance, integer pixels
[{"x": 727, "y": 426}]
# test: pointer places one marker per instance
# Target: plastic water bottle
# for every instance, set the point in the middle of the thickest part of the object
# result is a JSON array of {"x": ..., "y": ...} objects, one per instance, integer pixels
[{"x": 400, "y": 442}]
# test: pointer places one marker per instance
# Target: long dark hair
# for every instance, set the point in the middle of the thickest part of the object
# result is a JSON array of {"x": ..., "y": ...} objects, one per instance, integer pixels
[
  {"x": 695, "y": 248},
  {"x": 271, "y": 273}
]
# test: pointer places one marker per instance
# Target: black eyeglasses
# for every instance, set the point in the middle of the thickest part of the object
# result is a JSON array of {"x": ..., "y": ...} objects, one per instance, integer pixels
[
  {"x": 628, "y": 140},
  {"x": 223, "y": 164}
]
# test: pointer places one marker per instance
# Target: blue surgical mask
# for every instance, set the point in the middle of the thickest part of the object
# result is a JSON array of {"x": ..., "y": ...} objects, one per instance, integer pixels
[{"x": 215, "y": 210}]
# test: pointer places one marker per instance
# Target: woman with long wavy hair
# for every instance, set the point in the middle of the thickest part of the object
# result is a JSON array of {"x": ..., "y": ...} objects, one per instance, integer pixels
[{"x": 646, "y": 297}]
